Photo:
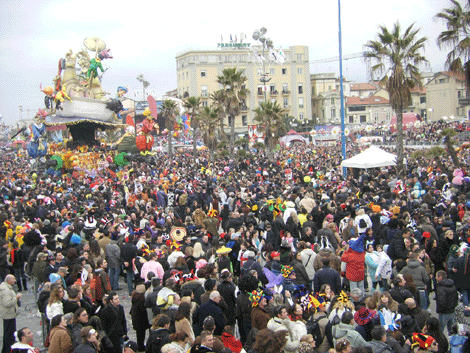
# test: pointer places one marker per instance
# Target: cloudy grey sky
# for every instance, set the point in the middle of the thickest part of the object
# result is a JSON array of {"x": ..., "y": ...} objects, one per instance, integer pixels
[{"x": 145, "y": 37}]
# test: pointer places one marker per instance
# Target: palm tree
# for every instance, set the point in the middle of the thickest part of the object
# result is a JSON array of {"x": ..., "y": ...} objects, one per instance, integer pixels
[
  {"x": 169, "y": 111},
  {"x": 193, "y": 106},
  {"x": 448, "y": 135},
  {"x": 436, "y": 153},
  {"x": 399, "y": 54},
  {"x": 456, "y": 37},
  {"x": 233, "y": 81},
  {"x": 270, "y": 114},
  {"x": 208, "y": 124},
  {"x": 218, "y": 99}
]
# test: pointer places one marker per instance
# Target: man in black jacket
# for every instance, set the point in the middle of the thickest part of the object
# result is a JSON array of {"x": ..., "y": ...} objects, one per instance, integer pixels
[
  {"x": 327, "y": 275},
  {"x": 128, "y": 253},
  {"x": 114, "y": 322},
  {"x": 447, "y": 300},
  {"x": 397, "y": 250},
  {"x": 210, "y": 308}
]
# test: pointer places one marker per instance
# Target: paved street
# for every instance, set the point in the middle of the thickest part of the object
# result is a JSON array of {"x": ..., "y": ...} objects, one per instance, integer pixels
[{"x": 30, "y": 317}]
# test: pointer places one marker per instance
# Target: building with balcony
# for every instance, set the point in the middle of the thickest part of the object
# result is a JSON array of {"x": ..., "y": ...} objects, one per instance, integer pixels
[
  {"x": 446, "y": 96},
  {"x": 289, "y": 83}
]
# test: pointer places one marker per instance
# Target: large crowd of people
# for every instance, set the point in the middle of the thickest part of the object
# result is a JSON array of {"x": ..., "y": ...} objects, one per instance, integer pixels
[{"x": 248, "y": 254}]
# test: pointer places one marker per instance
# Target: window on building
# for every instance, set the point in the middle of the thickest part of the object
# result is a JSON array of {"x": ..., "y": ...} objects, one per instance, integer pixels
[
  {"x": 299, "y": 70},
  {"x": 203, "y": 58},
  {"x": 329, "y": 88},
  {"x": 301, "y": 116},
  {"x": 459, "y": 94},
  {"x": 351, "y": 119},
  {"x": 229, "y": 120},
  {"x": 272, "y": 88},
  {"x": 422, "y": 99},
  {"x": 203, "y": 73},
  {"x": 244, "y": 120},
  {"x": 333, "y": 113},
  {"x": 272, "y": 71},
  {"x": 285, "y": 102},
  {"x": 360, "y": 108},
  {"x": 204, "y": 91},
  {"x": 205, "y": 103},
  {"x": 260, "y": 89},
  {"x": 299, "y": 57},
  {"x": 332, "y": 101},
  {"x": 442, "y": 80},
  {"x": 285, "y": 88},
  {"x": 284, "y": 71},
  {"x": 301, "y": 103},
  {"x": 363, "y": 118},
  {"x": 259, "y": 72},
  {"x": 313, "y": 90},
  {"x": 301, "y": 88},
  {"x": 286, "y": 115}
]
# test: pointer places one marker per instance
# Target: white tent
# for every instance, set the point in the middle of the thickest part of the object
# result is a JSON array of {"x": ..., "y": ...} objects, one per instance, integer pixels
[{"x": 372, "y": 157}]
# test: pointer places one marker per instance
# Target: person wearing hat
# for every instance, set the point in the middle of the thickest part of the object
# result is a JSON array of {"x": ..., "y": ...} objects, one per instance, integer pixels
[
  {"x": 223, "y": 261},
  {"x": 259, "y": 313},
  {"x": 211, "y": 223}
]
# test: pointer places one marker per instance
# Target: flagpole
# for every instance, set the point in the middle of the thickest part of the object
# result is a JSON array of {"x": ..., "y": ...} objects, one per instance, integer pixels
[{"x": 343, "y": 139}]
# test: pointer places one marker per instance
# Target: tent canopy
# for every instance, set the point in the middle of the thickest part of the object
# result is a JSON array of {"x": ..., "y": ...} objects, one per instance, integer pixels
[{"x": 372, "y": 157}]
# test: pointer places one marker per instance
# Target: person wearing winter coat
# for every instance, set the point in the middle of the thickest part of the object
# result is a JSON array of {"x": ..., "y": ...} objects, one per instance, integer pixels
[
  {"x": 379, "y": 337},
  {"x": 308, "y": 259},
  {"x": 60, "y": 340},
  {"x": 8, "y": 311},
  {"x": 383, "y": 271},
  {"x": 420, "y": 277},
  {"x": 281, "y": 322},
  {"x": 159, "y": 334},
  {"x": 113, "y": 256},
  {"x": 114, "y": 321},
  {"x": 327, "y": 275},
  {"x": 447, "y": 300},
  {"x": 139, "y": 316},
  {"x": 301, "y": 275},
  {"x": 90, "y": 342},
  {"x": 354, "y": 257},
  {"x": 227, "y": 291},
  {"x": 364, "y": 224},
  {"x": 345, "y": 329}
]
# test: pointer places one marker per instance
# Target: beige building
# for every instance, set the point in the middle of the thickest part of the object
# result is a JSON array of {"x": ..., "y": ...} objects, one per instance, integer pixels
[
  {"x": 370, "y": 110},
  {"x": 446, "y": 96},
  {"x": 326, "y": 98},
  {"x": 289, "y": 83}
]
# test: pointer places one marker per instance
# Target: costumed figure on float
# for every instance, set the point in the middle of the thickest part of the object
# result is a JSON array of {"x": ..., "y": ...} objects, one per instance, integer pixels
[{"x": 144, "y": 140}]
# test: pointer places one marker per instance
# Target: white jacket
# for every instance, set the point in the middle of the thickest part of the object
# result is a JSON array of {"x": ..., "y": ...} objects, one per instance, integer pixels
[
  {"x": 384, "y": 269},
  {"x": 54, "y": 309},
  {"x": 295, "y": 330},
  {"x": 308, "y": 260}
]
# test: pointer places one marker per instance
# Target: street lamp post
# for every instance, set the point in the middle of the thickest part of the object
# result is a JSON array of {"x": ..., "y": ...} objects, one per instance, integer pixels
[
  {"x": 266, "y": 44},
  {"x": 343, "y": 139}
]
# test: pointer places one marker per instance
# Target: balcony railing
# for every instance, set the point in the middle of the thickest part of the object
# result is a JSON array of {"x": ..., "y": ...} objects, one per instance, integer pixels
[
  {"x": 285, "y": 91},
  {"x": 273, "y": 93}
]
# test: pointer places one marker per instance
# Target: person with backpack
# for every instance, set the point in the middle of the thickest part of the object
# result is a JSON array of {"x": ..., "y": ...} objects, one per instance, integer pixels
[
  {"x": 362, "y": 221},
  {"x": 159, "y": 334}
]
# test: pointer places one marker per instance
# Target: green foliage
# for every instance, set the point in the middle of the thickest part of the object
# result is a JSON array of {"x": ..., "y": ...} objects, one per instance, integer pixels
[
  {"x": 397, "y": 55},
  {"x": 456, "y": 37},
  {"x": 241, "y": 142},
  {"x": 223, "y": 153},
  {"x": 241, "y": 153},
  {"x": 259, "y": 145}
]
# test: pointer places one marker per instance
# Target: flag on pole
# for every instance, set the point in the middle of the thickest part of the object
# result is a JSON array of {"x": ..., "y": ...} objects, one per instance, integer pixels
[
  {"x": 221, "y": 39},
  {"x": 272, "y": 55},
  {"x": 281, "y": 57},
  {"x": 231, "y": 40},
  {"x": 236, "y": 38}
]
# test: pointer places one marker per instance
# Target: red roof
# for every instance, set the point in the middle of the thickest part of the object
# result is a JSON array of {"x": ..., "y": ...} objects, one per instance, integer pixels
[
  {"x": 374, "y": 100},
  {"x": 362, "y": 86}
]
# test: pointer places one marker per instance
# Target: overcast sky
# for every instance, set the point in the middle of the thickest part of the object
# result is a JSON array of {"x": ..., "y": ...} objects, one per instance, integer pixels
[{"x": 145, "y": 37}]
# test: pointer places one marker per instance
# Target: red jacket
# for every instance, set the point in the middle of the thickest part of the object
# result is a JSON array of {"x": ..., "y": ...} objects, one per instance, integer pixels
[{"x": 354, "y": 264}]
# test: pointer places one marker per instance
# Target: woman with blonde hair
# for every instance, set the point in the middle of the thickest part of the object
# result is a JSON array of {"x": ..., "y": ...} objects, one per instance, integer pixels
[
  {"x": 198, "y": 253},
  {"x": 55, "y": 306}
]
